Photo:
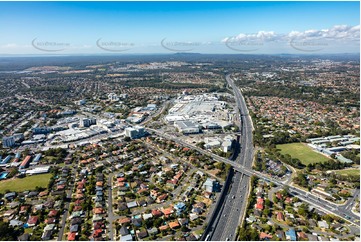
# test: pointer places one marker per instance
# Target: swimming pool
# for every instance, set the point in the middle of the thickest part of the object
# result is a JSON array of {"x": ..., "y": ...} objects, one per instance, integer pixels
[{"x": 3, "y": 175}]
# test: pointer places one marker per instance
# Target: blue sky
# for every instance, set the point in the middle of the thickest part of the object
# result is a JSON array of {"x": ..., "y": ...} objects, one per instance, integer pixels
[{"x": 206, "y": 27}]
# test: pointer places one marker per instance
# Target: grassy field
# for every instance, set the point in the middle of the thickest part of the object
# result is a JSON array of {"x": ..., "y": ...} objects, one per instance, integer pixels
[
  {"x": 349, "y": 172},
  {"x": 302, "y": 152},
  {"x": 27, "y": 183}
]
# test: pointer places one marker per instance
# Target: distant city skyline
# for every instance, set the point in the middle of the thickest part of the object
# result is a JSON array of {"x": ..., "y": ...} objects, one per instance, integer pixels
[{"x": 56, "y": 28}]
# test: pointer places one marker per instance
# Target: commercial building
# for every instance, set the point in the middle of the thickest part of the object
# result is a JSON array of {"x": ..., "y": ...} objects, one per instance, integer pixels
[
  {"x": 25, "y": 163},
  {"x": 187, "y": 127},
  {"x": 8, "y": 142},
  {"x": 87, "y": 122},
  {"x": 37, "y": 158},
  {"x": 135, "y": 132},
  {"x": 227, "y": 145},
  {"x": 42, "y": 130},
  {"x": 38, "y": 170}
]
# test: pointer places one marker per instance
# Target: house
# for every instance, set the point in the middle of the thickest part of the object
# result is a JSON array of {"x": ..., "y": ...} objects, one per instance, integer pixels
[
  {"x": 197, "y": 210},
  {"x": 9, "y": 213},
  {"x": 32, "y": 221},
  {"x": 280, "y": 234},
  {"x": 47, "y": 235},
  {"x": 24, "y": 237},
  {"x": 147, "y": 216},
  {"x": 76, "y": 221},
  {"x": 291, "y": 234},
  {"x": 98, "y": 225},
  {"x": 142, "y": 203},
  {"x": 264, "y": 236},
  {"x": 174, "y": 224},
  {"x": 191, "y": 237},
  {"x": 152, "y": 231},
  {"x": 15, "y": 223},
  {"x": 126, "y": 238},
  {"x": 302, "y": 235},
  {"x": 180, "y": 207},
  {"x": 24, "y": 209},
  {"x": 312, "y": 237},
  {"x": 164, "y": 227},
  {"x": 156, "y": 213},
  {"x": 74, "y": 228},
  {"x": 50, "y": 221},
  {"x": 10, "y": 196},
  {"x": 280, "y": 216},
  {"x": 124, "y": 221},
  {"x": 193, "y": 216},
  {"x": 259, "y": 204},
  {"x": 49, "y": 227},
  {"x": 132, "y": 204},
  {"x": 323, "y": 224},
  {"x": 53, "y": 213},
  {"x": 142, "y": 234},
  {"x": 97, "y": 218},
  {"x": 122, "y": 206},
  {"x": 183, "y": 221},
  {"x": 71, "y": 236},
  {"x": 97, "y": 233},
  {"x": 123, "y": 231},
  {"x": 210, "y": 185},
  {"x": 167, "y": 211},
  {"x": 98, "y": 210},
  {"x": 161, "y": 198},
  {"x": 137, "y": 222}
]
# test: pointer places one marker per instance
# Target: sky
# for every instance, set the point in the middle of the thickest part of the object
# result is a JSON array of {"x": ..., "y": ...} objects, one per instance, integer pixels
[{"x": 168, "y": 27}]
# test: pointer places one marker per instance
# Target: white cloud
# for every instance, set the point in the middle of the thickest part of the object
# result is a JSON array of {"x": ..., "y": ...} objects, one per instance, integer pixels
[{"x": 337, "y": 32}]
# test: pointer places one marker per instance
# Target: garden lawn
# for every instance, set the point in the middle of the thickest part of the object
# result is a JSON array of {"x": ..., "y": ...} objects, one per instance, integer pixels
[
  {"x": 302, "y": 152},
  {"x": 348, "y": 172},
  {"x": 26, "y": 183}
]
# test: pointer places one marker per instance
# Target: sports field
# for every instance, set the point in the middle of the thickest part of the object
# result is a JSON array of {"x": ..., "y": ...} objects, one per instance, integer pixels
[
  {"x": 25, "y": 184},
  {"x": 302, "y": 152}
]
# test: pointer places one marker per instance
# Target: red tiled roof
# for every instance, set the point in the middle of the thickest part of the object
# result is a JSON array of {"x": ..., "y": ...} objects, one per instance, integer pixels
[
  {"x": 71, "y": 236},
  {"x": 174, "y": 224},
  {"x": 53, "y": 213},
  {"x": 164, "y": 227},
  {"x": 156, "y": 212},
  {"x": 33, "y": 220}
]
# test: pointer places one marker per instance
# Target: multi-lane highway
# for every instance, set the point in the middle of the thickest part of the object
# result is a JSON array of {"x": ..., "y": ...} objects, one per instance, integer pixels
[{"x": 235, "y": 202}]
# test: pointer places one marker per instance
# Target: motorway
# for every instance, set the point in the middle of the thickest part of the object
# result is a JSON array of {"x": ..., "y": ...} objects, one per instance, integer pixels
[{"x": 235, "y": 204}]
